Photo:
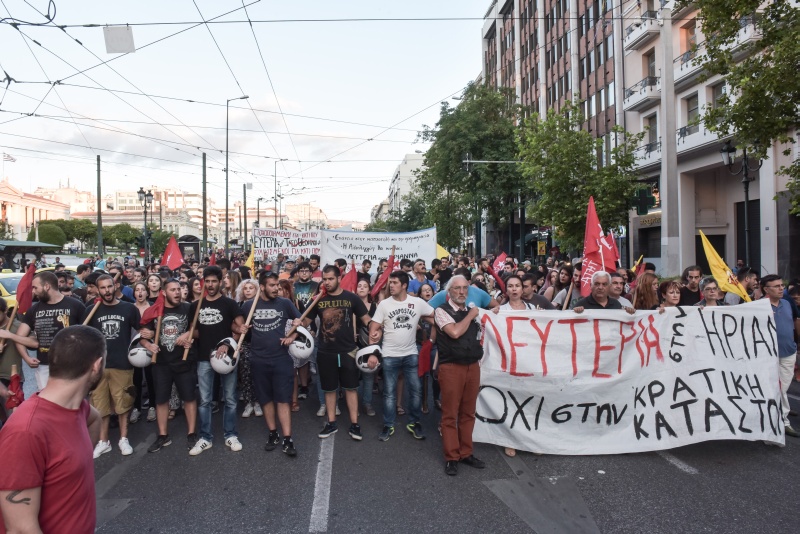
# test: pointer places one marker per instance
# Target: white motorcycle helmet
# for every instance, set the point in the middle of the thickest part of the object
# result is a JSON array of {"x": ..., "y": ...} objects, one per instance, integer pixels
[
  {"x": 302, "y": 347},
  {"x": 227, "y": 363},
  {"x": 138, "y": 356},
  {"x": 362, "y": 358}
]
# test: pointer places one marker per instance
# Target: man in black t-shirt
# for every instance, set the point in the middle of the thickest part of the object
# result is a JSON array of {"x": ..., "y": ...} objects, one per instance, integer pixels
[
  {"x": 45, "y": 319},
  {"x": 220, "y": 317},
  {"x": 336, "y": 348},
  {"x": 116, "y": 320},
  {"x": 271, "y": 366},
  {"x": 690, "y": 292},
  {"x": 170, "y": 367},
  {"x": 304, "y": 290}
]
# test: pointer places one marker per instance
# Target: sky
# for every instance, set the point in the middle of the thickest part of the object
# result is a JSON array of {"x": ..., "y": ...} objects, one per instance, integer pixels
[{"x": 323, "y": 94}]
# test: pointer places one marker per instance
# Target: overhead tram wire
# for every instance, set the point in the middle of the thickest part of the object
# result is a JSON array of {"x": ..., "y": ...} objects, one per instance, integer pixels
[
  {"x": 151, "y": 99},
  {"x": 272, "y": 86},
  {"x": 52, "y": 87},
  {"x": 191, "y": 101},
  {"x": 235, "y": 79}
]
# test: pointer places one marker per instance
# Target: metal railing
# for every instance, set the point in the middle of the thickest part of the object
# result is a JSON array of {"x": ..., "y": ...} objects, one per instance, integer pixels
[
  {"x": 647, "y": 15},
  {"x": 685, "y": 131},
  {"x": 689, "y": 55},
  {"x": 648, "y": 81}
]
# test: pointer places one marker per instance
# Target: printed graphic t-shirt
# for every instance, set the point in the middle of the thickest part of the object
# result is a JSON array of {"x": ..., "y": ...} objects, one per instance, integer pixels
[
  {"x": 335, "y": 314},
  {"x": 115, "y": 323},
  {"x": 214, "y": 323},
  {"x": 174, "y": 323},
  {"x": 400, "y": 319},
  {"x": 47, "y": 320},
  {"x": 268, "y": 326}
]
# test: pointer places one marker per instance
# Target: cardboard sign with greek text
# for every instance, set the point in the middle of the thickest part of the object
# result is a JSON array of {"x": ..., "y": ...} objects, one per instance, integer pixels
[
  {"x": 269, "y": 242},
  {"x": 605, "y": 382}
]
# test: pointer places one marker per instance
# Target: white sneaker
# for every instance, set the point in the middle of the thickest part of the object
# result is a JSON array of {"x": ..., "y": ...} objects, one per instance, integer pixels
[
  {"x": 257, "y": 410},
  {"x": 321, "y": 411},
  {"x": 248, "y": 411},
  {"x": 124, "y": 447},
  {"x": 151, "y": 415},
  {"x": 234, "y": 443},
  {"x": 201, "y": 445},
  {"x": 101, "y": 448},
  {"x": 134, "y": 417}
]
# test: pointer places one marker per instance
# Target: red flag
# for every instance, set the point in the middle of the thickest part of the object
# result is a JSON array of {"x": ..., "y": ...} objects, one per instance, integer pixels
[
  {"x": 500, "y": 284},
  {"x": 16, "y": 396},
  {"x": 350, "y": 280},
  {"x": 592, "y": 257},
  {"x": 212, "y": 260},
  {"x": 383, "y": 278},
  {"x": 25, "y": 290},
  {"x": 172, "y": 257},
  {"x": 424, "y": 360},
  {"x": 610, "y": 251},
  {"x": 155, "y": 311},
  {"x": 499, "y": 262}
]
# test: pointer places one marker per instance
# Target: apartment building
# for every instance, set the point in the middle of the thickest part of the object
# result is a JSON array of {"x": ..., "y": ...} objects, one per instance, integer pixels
[{"x": 664, "y": 96}]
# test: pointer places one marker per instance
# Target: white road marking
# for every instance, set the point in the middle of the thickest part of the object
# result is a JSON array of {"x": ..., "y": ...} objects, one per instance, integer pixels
[
  {"x": 322, "y": 487},
  {"x": 683, "y": 466}
]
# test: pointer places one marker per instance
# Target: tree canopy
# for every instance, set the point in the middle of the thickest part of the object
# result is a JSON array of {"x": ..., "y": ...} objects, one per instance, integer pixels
[
  {"x": 560, "y": 162},
  {"x": 762, "y": 105},
  {"x": 49, "y": 233}
]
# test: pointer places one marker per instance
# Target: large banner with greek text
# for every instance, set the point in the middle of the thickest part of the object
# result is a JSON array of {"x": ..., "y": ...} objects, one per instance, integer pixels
[
  {"x": 269, "y": 242},
  {"x": 359, "y": 246},
  {"x": 605, "y": 382}
]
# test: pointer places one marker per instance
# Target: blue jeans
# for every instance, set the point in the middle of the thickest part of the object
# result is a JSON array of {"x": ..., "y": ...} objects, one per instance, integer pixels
[
  {"x": 391, "y": 369},
  {"x": 205, "y": 379},
  {"x": 367, "y": 382}
]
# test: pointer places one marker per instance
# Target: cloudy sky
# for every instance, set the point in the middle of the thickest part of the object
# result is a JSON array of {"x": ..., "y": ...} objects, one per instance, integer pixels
[{"x": 341, "y": 100}]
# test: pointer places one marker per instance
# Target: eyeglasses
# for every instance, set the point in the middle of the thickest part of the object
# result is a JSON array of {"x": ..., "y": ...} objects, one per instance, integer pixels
[{"x": 711, "y": 289}]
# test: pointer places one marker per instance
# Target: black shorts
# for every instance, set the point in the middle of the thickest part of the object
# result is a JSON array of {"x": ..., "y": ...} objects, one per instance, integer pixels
[
  {"x": 182, "y": 374},
  {"x": 337, "y": 370},
  {"x": 273, "y": 379}
]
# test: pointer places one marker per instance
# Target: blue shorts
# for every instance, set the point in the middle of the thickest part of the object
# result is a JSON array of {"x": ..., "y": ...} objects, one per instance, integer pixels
[{"x": 273, "y": 379}]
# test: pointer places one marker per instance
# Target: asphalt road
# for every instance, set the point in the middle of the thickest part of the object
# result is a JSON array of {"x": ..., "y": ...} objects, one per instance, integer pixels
[{"x": 400, "y": 486}]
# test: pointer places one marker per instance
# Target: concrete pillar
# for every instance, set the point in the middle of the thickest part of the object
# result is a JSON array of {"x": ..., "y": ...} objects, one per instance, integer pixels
[
  {"x": 671, "y": 260},
  {"x": 574, "y": 57},
  {"x": 767, "y": 187},
  {"x": 540, "y": 65}
]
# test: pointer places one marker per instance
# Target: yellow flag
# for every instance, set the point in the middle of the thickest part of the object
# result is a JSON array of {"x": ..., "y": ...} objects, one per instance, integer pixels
[
  {"x": 725, "y": 278},
  {"x": 441, "y": 251},
  {"x": 637, "y": 262},
  {"x": 250, "y": 263}
]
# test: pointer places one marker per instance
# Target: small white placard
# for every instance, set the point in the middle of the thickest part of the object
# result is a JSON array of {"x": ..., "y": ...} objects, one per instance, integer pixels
[{"x": 119, "y": 39}]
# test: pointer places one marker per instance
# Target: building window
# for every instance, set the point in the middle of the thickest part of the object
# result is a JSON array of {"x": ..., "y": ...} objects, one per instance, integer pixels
[
  {"x": 689, "y": 36},
  {"x": 611, "y": 95},
  {"x": 650, "y": 63},
  {"x": 692, "y": 115},
  {"x": 651, "y": 123},
  {"x": 717, "y": 92}
]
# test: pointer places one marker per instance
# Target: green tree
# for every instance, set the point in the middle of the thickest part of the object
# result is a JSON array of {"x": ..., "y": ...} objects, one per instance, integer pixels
[
  {"x": 410, "y": 218},
  {"x": 84, "y": 231},
  {"x": 49, "y": 233},
  {"x": 6, "y": 231},
  {"x": 561, "y": 162},
  {"x": 483, "y": 124},
  {"x": 122, "y": 235},
  {"x": 159, "y": 241},
  {"x": 762, "y": 104}
]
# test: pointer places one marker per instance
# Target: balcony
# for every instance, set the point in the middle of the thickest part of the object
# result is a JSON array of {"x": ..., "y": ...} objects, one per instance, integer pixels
[
  {"x": 676, "y": 11},
  {"x": 688, "y": 67},
  {"x": 648, "y": 154},
  {"x": 748, "y": 34},
  {"x": 641, "y": 32},
  {"x": 694, "y": 137},
  {"x": 642, "y": 94}
]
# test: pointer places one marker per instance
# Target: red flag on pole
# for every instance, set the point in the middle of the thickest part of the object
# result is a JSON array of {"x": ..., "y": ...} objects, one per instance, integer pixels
[
  {"x": 596, "y": 251},
  {"x": 25, "y": 290},
  {"x": 15, "y": 393},
  {"x": 499, "y": 262},
  {"x": 172, "y": 257},
  {"x": 384, "y": 277},
  {"x": 212, "y": 260},
  {"x": 350, "y": 280},
  {"x": 155, "y": 311},
  {"x": 500, "y": 284}
]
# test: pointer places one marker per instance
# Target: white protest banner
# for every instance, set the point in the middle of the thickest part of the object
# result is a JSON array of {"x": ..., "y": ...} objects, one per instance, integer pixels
[
  {"x": 269, "y": 242},
  {"x": 605, "y": 382},
  {"x": 360, "y": 246}
]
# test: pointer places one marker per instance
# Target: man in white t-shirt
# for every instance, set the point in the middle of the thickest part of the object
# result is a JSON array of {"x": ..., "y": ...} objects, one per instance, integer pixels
[{"x": 399, "y": 316}]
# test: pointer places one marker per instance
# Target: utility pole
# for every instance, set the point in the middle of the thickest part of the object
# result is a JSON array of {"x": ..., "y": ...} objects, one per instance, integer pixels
[
  {"x": 246, "y": 238},
  {"x": 205, "y": 208},
  {"x": 99, "y": 212}
]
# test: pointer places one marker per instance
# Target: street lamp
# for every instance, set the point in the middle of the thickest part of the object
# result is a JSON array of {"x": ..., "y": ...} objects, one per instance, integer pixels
[
  {"x": 275, "y": 220},
  {"x": 728, "y": 152},
  {"x": 227, "y": 107},
  {"x": 146, "y": 200}
]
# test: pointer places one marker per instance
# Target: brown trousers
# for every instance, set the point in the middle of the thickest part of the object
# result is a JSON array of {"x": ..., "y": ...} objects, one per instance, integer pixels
[{"x": 459, "y": 385}]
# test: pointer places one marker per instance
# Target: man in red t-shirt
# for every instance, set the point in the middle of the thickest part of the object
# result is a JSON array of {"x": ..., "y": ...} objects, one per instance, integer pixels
[{"x": 47, "y": 480}]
